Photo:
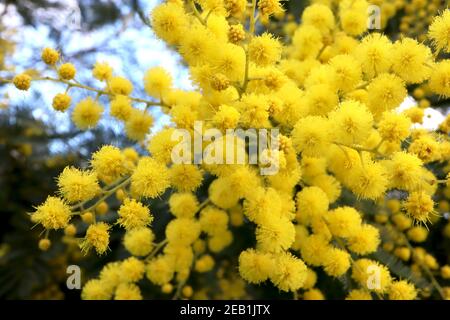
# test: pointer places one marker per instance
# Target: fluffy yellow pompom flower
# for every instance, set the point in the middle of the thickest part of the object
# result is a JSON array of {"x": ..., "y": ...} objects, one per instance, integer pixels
[
  {"x": 226, "y": 117},
  {"x": 375, "y": 54},
  {"x": 220, "y": 241},
  {"x": 311, "y": 136},
  {"x": 133, "y": 214},
  {"x": 150, "y": 178},
  {"x": 121, "y": 107},
  {"x": 402, "y": 290},
  {"x": 426, "y": 148},
  {"x": 213, "y": 220},
  {"x": 275, "y": 235},
  {"x": 254, "y": 111},
  {"x": 311, "y": 202},
  {"x": 161, "y": 145},
  {"x": 67, "y": 71},
  {"x": 204, "y": 264},
  {"x": 336, "y": 262},
  {"x": 169, "y": 22},
  {"x": 419, "y": 206},
  {"x": 351, "y": 122},
  {"x": 307, "y": 41},
  {"x": 264, "y": 50},
  {"x": 394, "y": 127},
  {"x": 229, "y": 59},
  {"x": 128, "y": 291},
  {"x": 87, "y": 113},
  {"x": 289, "y": 273},
  {"x": 269, "y": 7},
  {"x": 111, "y": 275},
  {"x": 139, "y": 241},
  {"x": 313, "y": 294},
  {"x": 358, "y": 294},
  {"x": 439, "y": 31},
  {"x": 95, "y": 289},
  {"x": 157, "y": 82},
  {"x": 262, "y": 204},
  {"x": 54, "y": 213},
  {"x": 76, "y": 185},
  {"x": 320, "y": 99},
  {"x": 314, "y": 249},
  {"x": 368, "y": 181},
  {"x": 183, "y": 205},
  {"x": 182, "y": 231},
  {"x": 365, "y": 240},
  {"x": 363, "y": 269},
  {"x": 405, "y": 171},
  {"x": 160, "y": 270},
  {"x": 319, "y": 16},
  {"x": 185, "y": 177},
  {"x": 97, "y": 237},
  {"x": 132, "y": 269},
  {"x": 344, "y": 221},
  {"x": 50, "y": 56},
  {"x": 109, "y": 163},
  {"x": 102, "y": 71},
  {"x": 348, "y": 71},
  {"x": 411, "y": 60},
  {"x": 385, "y": 92},
  {"x": 138, "y": 125},
  {"x": 255, "y": 266},
  {"x": 196, "y": 45},
  {"x": 61, "y": 102},
  {"x": 22, "y": 81},
  {"x": 440, "y": 79},
  {"x": 119, "y": 85}
]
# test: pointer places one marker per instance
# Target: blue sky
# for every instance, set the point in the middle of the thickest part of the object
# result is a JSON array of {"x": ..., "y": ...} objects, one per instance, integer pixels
[{"x": 135, "y": 50}]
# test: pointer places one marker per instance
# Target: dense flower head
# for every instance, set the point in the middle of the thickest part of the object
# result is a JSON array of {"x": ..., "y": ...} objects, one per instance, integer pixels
[
  {"x": 139, "y": 241},
  {"x": 133, "y": 214},
  {"x": 97, "y": 237},
  {"x": 76, "y": 185},
  {"x": 61, "y": 102},
  {"x": 150, "y": 178},
  {"x": 109, "y": 163},
  {"x": 87, "y": 113},
  {"x": 54, "y": 213}
]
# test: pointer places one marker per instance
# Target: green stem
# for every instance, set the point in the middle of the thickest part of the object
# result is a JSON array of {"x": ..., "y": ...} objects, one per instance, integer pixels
[
  {"x": 197, "y": 13},
  {"x": 98, "y": 91},
  {"x": 157, "y": 248},
  {"x": 105, "y": 196}
]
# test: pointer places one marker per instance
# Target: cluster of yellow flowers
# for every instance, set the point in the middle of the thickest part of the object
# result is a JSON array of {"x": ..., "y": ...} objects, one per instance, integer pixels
[{"x": 332, "y": 88}]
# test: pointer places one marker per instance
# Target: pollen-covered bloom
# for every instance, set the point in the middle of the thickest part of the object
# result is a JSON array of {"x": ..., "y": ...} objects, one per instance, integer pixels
[
  {"x": 97, "y": 237},
  {"x": 54, "y": 213},
  {"x": 76, "y": 185},
  {"x": 150, "y": 178},
  {"x": 419, "y": 206},
  {"x": 157, "y": 82},
  {"x": 439, "y": 31},
  {"x": 87, "y": 113},
  {"x": 133, "y": 214},
  {"x": 264, "y": 50},
  {"x": 109, "y": 163},
  {"x": 255, "y": 266}
]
